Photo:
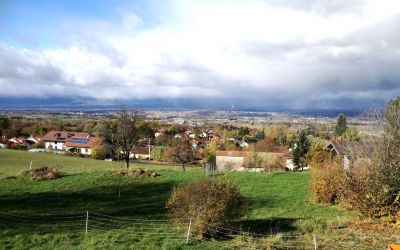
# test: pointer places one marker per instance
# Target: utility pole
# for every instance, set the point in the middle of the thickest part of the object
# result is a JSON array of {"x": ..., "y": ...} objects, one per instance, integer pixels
[{"x": 149, "y": 150}]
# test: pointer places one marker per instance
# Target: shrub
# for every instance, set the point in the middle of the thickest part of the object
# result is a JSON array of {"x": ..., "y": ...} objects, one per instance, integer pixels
[
  {"x": 356, "y": 193},
  {"x": 157, "y": 153},
  {"x": 372, "y": 186},
  {"x": 326, "y": 182},
  {"x": 101, "y": 152},
  {"x": 43, "y": 173},
  {"x": 15, "y": 146},
  {"x": 275, "y": 163},
  {"x": 209, "y": 204}
]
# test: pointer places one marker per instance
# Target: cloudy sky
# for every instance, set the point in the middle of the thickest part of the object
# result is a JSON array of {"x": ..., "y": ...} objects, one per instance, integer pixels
[{"x": 272, "y": 53}]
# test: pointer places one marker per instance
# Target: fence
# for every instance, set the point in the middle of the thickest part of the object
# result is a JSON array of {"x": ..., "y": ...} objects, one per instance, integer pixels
[{"x": 95, "y": 223}]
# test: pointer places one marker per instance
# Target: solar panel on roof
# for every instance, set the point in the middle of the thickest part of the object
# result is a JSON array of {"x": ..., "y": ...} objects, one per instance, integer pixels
[{"x": 79, "y": 140}]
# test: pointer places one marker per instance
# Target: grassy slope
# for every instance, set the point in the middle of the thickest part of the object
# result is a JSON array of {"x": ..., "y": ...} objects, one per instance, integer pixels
[
  {"x": 278, "y": 201},
  {"x": 13, "y": 162}
]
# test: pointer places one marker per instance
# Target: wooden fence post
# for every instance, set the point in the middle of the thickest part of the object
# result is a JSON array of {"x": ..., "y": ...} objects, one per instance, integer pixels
[
  {"x": 188, "y": 232},
  {"x": 87, "y": 221},
  {"x": 315, "y": 242}
]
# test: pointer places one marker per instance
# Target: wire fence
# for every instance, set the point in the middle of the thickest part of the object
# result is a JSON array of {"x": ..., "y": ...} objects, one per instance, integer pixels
[{"x": 95, "y": 223}]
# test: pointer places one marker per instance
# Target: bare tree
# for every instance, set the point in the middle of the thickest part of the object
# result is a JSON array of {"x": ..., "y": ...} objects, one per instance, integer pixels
[
  {"x": 256, "y": 160},
  {"x": 127, "y": 133},
  {"x": 210, "y": 164},
  {"x": 180, "y": 152}
]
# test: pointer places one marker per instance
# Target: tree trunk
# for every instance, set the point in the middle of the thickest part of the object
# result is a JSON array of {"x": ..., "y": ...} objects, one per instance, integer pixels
[
  {"x": 183, "y": 167},
  {"x": 127, "y": 161}
]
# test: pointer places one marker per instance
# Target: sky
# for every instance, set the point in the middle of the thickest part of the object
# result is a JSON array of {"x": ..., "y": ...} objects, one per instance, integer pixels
[{"x": 259, "y": 53}]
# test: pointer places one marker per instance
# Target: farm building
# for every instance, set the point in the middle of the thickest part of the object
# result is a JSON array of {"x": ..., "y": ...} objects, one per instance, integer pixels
[
  {"x": 241, "y": 160},
  {"x": 350, "y": 151},
  {"x": 142, "y": 153},
  {"x": 231, "y": 160}
]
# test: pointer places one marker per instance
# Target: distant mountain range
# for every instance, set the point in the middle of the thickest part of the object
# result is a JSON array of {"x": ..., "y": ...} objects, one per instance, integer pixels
[{"x": 68, "y": 104}]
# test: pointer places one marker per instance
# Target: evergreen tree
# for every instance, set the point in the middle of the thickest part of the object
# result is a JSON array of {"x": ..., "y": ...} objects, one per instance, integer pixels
[
  {"x": 4, "y": 124},
  {"x": 260, "y": 135},
  {"x": 341, "y": 125},
  {"x": 301, "y": 147}
]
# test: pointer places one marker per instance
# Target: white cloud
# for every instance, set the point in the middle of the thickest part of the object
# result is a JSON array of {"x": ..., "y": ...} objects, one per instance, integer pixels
[{"x": 223, "y": 49}]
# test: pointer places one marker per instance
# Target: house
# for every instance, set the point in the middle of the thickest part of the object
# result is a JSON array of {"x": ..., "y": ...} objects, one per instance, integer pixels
[
  {"x": 158, "y": 132},
  {"x": 241, "y": 160},
  {"x": 141, "y": 153},
  {"x": 203, "y": 134},
  {"x": 33, "y": 140},
  {"x": 190, "y": 134},
  {"x": 196, "y": 143},
  {"x": 55, "y": 140},
  {"x": 178, "y": 136},
  {"x": 18, "y": 141},
  {"x": 350, "y": 151},
  {"x": 243, "y": 144},
  {"x": 82, "y": 145}
]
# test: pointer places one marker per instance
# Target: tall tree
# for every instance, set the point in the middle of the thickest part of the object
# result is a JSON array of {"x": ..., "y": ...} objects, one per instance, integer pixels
[
  {"x": 341, "y": 125},
  {"x": 4, "y": 124},
  {"x": 260, "y": 135},
  {"x": 256, "y": 160},
  {"x": 301, "y": 147},
  {"x": 127, "y": 133},
  {"x": 180, "y": 152}
]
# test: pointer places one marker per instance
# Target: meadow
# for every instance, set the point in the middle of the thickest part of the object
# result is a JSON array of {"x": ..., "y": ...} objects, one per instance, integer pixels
[{"x": 130, "y": 213}]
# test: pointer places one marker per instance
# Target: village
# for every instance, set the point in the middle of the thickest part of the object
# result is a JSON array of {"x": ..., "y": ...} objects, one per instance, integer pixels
[
  {"x": 132, "y": 152},
  {"x": 235, "y": 150},
  {"x": 199, "y": 124}
]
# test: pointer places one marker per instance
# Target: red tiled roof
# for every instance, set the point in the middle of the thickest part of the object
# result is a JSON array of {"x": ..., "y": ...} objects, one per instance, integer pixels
[
  {"x": 62, "y": 136},
  {"x": 279, "y": 150},
  {"x": 90, "y": 143},
  {"x": 140, "y": 150}
]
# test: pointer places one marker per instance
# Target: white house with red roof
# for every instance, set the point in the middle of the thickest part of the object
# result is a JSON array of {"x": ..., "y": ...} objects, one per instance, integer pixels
[
  {"x": 82, "y": 145},
  {"x": 55, "y": 140}
]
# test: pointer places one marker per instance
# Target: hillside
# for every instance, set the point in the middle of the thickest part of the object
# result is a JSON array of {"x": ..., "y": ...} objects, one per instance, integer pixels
[{"x": 52, "y": 214}]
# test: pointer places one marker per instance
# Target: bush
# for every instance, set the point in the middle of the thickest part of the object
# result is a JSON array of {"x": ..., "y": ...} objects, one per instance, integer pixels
[
  {"x": 101, "y": 152},
  {"x": 356, "y": 192},
  {"x": 275, "y": 163},
  {"x": 209, "y": 204},
  {"x": 157, "y": 153},
  {"x": 43, "y": 173},
  {"x": 326, "y": 182},
  {"x": 15, "y": 146},
  {"x": 372, "y": 186}
]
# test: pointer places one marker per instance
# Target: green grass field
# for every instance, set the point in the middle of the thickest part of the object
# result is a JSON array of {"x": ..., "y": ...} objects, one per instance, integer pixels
[
  {"x": 13, "y": 162},
  {"x": 51, "y": 214}
]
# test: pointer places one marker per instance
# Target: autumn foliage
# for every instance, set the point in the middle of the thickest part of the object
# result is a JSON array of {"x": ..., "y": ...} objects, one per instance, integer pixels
[{"x": 209, "y": 204}]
